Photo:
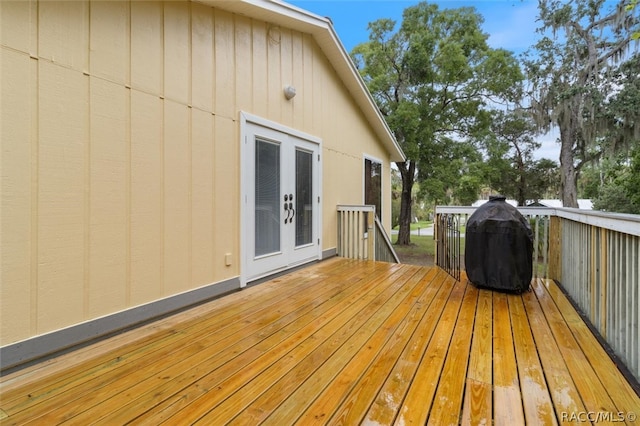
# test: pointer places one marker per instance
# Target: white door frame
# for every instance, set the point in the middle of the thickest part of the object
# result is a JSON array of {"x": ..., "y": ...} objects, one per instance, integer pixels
[{"x": 248, "y": 125}]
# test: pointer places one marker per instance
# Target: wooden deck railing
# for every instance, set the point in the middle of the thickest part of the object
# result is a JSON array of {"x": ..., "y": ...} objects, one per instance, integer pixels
[
  {"x": 539, "y": 219},
  {"x": 361, "y": 235},
  {"x": 595, "y": 257}
]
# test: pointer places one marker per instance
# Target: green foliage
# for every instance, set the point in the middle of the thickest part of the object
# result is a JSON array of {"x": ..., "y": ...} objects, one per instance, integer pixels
[
  {"x": 631, "y": 183},
  {"x": 619, "y": 189},
  {"x": 612, "y": 198},
  {"x": 631, "y": 7},
  {"x": 623, "y": 109},
  {"x": 589, "y": 182},
  {"x": 468, "y": 189},
  {"x": 543, "y": 181},
  {"x": 511, "y": 168}
]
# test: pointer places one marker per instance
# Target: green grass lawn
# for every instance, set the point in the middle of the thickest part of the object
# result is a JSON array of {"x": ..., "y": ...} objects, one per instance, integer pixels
[
  {"x": 419, "y": 244},
  {"x": 421, "y": 251},
  {"x": 419, "y": 225}
]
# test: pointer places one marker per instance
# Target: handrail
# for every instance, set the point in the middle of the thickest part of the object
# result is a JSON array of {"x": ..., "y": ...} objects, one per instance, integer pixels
[
  {"x": 627, "y": 223},
  {"x": 384, "y": 249}
]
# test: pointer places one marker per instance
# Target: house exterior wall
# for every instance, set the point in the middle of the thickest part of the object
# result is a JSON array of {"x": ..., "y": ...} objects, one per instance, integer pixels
[{"x": 121, "y": 156}]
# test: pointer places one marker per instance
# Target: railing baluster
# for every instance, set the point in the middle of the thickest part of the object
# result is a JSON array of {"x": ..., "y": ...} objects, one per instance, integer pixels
[
  {"x": 448, "y": 251},
  {"x": 361, "y": 236}
]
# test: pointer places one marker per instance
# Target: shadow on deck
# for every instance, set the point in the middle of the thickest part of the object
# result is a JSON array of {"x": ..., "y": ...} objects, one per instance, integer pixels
[{"x": 339, "y": 342}]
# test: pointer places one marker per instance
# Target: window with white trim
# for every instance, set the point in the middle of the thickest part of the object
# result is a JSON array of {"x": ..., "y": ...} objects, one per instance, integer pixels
[{"x": 373, "y": 184}]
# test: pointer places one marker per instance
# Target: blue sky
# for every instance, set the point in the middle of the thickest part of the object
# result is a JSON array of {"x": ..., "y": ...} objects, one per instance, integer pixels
[{"x": 510, "y": 24}]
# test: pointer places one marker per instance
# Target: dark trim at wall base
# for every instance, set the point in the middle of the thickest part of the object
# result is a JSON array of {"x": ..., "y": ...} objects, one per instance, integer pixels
[
  {"x": 329, "y": 253},
  {"x": 21, "y": 354}
]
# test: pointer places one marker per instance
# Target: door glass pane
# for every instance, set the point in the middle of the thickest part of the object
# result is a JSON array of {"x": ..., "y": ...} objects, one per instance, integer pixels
[
  {"x": 304, "y": 197},
  {"x": 373, "y": 185},
  {"x": 267, "y": 206}
]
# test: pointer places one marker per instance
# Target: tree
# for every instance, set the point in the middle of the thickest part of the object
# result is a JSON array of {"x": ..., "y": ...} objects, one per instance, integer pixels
[
  {"x": 512, "y": 140},
  {"x": 452, "y": 174},
  {"x": 571, "y": 76},
  {"x": 544, "y": 180},
  {"x": 623, "y": 108},
  {"x": 509, "y": 166},
  {"x": 468, "y": 189},
  {"x": 631, "y": 184},
  {"x": 630, "y": 7},
  {"x": 611, "y": 181},
  {"x": 619, "y": 189},
  {"x": 431, "y": 79}
]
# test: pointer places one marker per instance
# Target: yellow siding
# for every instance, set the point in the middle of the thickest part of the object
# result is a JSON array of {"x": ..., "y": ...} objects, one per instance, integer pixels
[
  {"x": 63, "y": 207},
  {"x": 177, "y": 183},
  {"x": 146, "y": 282},
  {"x": 202, "y": 58},
  {"x": 257, "y": 84},
  {"x": 147, "y": 52},
  {"x": 18, "y": 162},
  {"x": 177, "y": 57},
  {"x": 110, "y": 44},
  {"x": 202, "y": 212},
  {"x": 226, "y": 190},
  {"x": 108, "y": 237},
  {"x": 245, "y": 93},
  {"x": 224, "y": 60},
  {"x": 19, "y": 32},
  {"x": 63, "y": 33},
  {"x": 121, "y": 155}
]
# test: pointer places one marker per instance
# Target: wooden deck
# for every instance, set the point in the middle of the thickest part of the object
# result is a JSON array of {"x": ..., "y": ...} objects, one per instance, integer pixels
[{"x": 339, "y": 342}]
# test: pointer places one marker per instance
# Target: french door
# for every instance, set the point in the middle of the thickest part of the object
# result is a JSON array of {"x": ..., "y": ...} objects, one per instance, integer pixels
[{"x": 281, "y": 200}]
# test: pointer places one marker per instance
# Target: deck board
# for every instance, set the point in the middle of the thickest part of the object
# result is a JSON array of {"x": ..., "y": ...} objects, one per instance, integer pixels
[
  {"x": 536, "y": 399},
  {"x": 339, "y": 342},
  {"x": 478, "y": 402},
  {"x": 507, "y": 398}
]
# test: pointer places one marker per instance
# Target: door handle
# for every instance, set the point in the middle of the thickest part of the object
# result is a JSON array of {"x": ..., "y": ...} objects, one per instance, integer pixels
[
  {"x": 291, "y": 209},
  {"x": 288, "y": 208}
]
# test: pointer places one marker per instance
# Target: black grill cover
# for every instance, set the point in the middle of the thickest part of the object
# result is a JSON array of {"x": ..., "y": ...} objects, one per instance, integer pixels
[{"x": 498, "y": 247}]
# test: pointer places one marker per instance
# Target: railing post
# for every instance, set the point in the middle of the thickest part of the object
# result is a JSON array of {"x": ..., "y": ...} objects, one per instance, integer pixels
[
  {"x": 371, "y": 236},
  {"x": 555, "y": 248},
  {"x": 436, "y": 230},
  {"x": 604, "y": 260}
]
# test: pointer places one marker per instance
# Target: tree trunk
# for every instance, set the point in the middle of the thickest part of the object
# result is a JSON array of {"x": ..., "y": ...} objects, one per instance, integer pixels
[
  {"x": 521, "y": 198},
  {"x": 569, "y": 173},
  {"x": 407, "y": 172},
  {"x": 522, "y": 183}
]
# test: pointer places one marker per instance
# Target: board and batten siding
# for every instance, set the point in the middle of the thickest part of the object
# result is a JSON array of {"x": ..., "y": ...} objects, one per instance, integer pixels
[{"x": 120, "y": 150}]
